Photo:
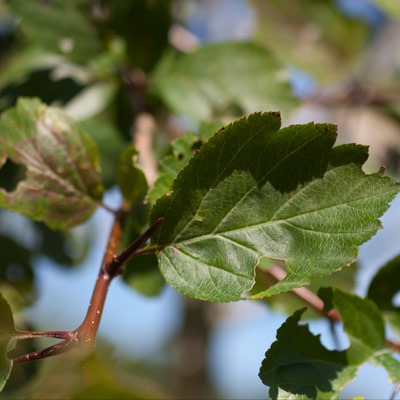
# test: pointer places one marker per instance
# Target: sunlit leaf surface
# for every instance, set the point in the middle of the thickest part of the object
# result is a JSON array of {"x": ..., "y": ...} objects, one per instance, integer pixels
[{"x": 254, "y": 190}]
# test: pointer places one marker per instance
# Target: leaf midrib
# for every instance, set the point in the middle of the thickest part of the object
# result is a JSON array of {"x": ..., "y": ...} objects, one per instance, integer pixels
[
  {"x": 256, "y": 183},
  {"x": 35, "y": 164},
  {"x": 270, "y": 222}
]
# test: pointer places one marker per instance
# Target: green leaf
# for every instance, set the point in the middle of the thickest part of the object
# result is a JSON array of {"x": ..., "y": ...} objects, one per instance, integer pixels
[
  {"x": 144, "y": 26},
  {"x": 382, "y": 289},
  {"x": 364, "y": 325},
  {"x": 142, "y": 274},
  {"x": 16, "y": 268},
  {"x": 311, "y": 35},
  {"x": 298, "y": 364},
  {"x": 208, "y": 129},
  {"x": 110, "y": 143},
  {"x": 218, "y": 80},
  {"x": 7, "y": 343},
  {"x": 130, "y": 178},
  {"x": 254, "y": 190},
  {"x": 59, "y": 27},
  {"x": 170, "y": 165},
  {"x": 391, "y": 7},
  {"x": 62, "y": 185}
]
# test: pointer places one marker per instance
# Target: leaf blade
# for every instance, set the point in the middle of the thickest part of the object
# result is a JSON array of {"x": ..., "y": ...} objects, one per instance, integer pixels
[
  {"x": 62, "y": 186},
  {"x": 231, "y": 205},
  {"x": 7, "y": 330},
  {"x": 213, "y": 81}
]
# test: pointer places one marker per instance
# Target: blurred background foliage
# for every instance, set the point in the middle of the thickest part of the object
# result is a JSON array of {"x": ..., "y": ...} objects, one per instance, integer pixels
[{"x": 189, "y": 67}]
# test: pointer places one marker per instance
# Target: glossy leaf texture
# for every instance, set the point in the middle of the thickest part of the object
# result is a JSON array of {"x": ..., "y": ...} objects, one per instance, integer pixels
[
  {"x": 182, "y": 151},
  {"x": 222, "y": 79},
  {"x": 298, "y": 366},
  {"x": 382, "y": 290},
  {"x": 254, "y": 190},
  {"x": 63, "y": 185},
  {"x": 7, "y": 343}
]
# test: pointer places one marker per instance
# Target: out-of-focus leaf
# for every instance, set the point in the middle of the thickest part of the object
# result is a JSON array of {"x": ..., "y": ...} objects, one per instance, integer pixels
[
  {"x": 63, "y": 184},
  {"x": 40, "y": 83},
  {"x": 207, "y": 129},
  {"x": 7, "y": 343},
  {"x": 110, "y": 143},
  {"x": 142, "y": 274},
  {"x": 58, "y": 26},
  {"x": 254, "y": 190},
  {"x": 66, "y": 248},
  {"x": 16, "y": 267},
  {"x": 144, "y": 25},
  {"x": 364, "y": 325},
  {"x": 182, "y": 150},
  {"x": 391, "y": 7},
  {"x": 382, "y": 289},
  {"x": 91, "y": 101},
  {"x": 222, "y": 79},
  {"x": 311, "y": 34},
  {"x": 89, "y": 376},
  {"x": 130, "y": 178}
]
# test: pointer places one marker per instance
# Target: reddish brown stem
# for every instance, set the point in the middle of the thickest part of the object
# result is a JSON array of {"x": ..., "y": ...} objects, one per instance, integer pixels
[
  {"x": 114, "y": 266},
  {"x": 111, "y": 266},
  {"x": 311, "y": 299},
  {"x": 88, "y": 329},
  {"x": 58, "y": 348},
  {"x": 395, "y": 391},
  {"x": 304, "y": 294},
  {"x": 48, "y": 334}
]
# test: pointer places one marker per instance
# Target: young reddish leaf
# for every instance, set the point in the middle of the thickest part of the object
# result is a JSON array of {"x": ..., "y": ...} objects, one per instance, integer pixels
[
  {"x": 254, "y": 190},
  {"x": 62, "y": 185}
]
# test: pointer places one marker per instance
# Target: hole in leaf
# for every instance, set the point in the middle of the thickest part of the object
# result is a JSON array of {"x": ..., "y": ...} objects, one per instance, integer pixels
[
  {"x": 396, "y": 300},
  {"x": 196, "y": 145},
  {"x": 181, "y": 157},
  {"x": 11, "y": 174}
]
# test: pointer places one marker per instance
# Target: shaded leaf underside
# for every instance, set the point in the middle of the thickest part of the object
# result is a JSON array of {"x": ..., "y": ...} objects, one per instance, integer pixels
[{"x": 254, "y": 190}]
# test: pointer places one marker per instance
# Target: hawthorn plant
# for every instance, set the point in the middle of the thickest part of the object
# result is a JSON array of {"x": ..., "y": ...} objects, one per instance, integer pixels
[{"x": 252, "y": 191}]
